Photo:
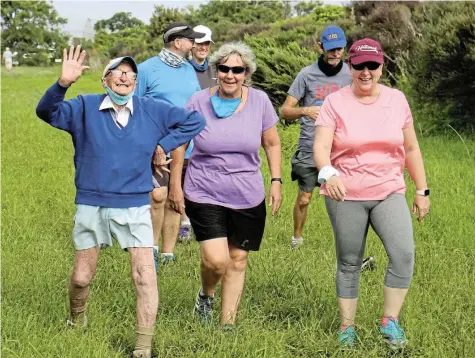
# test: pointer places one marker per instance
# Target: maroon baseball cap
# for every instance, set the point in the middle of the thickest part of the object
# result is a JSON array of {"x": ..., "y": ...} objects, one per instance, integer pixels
[{"x": 366, "y": 50}]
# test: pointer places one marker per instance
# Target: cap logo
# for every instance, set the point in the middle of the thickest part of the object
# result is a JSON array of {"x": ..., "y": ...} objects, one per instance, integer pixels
[
  {"x": 367, "y": 48},
  {"x": 332, "y": 36}
]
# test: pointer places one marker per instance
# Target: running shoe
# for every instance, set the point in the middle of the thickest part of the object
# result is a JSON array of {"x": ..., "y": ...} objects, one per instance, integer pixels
[
  {"x": 347, "y": 337},
  {"x": 77, "y": 322},
  {"x": 156, "y": 258},
  {"x": 185, "y": 234},
  {"x": 393, "y": 334},
  {"x": 296, "y": 242},
  {"x": 142, "y": 353},
  {"x": 166, "y": 259},
  {"x": 204, "y": 307}
]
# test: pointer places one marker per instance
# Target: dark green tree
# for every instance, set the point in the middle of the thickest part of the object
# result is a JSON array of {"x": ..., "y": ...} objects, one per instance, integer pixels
[
  {"x": 130, "y": 41},
  {"x": 441, "y": 71},
  {"x": 161, "y": 17},
  {"x": 32, "y": 28},
  {"x": 307, "y": 7},
  {"x": 393, "y": 25},
  {"x": 118, "y": 22}
]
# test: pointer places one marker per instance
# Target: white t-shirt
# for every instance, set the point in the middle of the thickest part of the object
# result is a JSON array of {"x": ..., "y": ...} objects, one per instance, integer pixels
[{"x": 7, "y": 55}]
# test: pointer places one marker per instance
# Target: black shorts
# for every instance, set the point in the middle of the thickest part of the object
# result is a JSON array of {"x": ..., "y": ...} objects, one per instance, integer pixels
[
  {"x": 164, "y": 181},
  {"x": 304, "y": 171},
  {"x": 244, "y": 228}
]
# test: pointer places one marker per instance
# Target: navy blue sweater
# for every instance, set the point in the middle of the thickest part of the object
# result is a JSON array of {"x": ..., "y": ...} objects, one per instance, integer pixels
[{"x": 113, "y": 165}]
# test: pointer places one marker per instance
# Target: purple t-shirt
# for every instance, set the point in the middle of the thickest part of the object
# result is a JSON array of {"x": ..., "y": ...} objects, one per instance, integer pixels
[{"x": 224, "y": 167}]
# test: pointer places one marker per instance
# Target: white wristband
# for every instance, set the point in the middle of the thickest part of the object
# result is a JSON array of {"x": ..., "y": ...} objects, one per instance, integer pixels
[{"x": 326, "y": 173}]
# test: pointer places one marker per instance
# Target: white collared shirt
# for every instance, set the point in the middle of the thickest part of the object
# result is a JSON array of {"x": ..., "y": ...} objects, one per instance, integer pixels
[{"x": 121, "y": 118}]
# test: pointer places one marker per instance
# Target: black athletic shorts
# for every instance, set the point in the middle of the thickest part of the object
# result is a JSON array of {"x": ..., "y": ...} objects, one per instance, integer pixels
[
  {"x": 304, "y": 171},
  {"x": 244, "y": 228}
]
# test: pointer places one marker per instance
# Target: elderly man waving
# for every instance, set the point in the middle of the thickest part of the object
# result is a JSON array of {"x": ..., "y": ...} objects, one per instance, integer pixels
[{"x": 115, "y": 136}]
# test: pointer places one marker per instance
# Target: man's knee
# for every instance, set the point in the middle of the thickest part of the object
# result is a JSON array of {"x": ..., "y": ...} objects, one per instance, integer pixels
[
  {"x": 81, "y": 279},
  {"x": 158, "y": 197},
  {"x": 143, "y": 276},
  {"x": 238, "y": 262},
  {"x": 215, "y": 263},
  {"x": 304, "y": 198}
]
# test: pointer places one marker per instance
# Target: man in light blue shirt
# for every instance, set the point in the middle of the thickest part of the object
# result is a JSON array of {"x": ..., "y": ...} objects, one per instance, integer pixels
[
  {"x": 170, "y": 77},
  {"x": 8, "y": 59}
]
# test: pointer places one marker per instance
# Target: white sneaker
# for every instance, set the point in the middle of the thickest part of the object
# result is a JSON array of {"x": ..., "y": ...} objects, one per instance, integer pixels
[{"x": 296, "y": 242}]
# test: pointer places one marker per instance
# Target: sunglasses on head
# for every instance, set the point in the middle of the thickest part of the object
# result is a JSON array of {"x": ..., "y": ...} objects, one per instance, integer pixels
[
  {"x": 236, "y": 70},
  {"x": 369, "y": 65}
]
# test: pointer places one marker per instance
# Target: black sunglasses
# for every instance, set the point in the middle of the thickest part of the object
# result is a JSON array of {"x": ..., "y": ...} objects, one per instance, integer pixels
[
  {"x": 369, "y": 65},
  {"x": 236, "y": 70}
]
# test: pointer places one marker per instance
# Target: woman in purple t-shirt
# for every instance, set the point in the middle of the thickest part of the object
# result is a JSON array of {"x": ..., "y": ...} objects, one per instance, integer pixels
[{"x": 224, "y": 188}]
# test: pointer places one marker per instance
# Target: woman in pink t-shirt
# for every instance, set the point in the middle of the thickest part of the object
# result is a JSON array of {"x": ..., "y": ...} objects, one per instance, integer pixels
[{"x": 364, "y": 138}]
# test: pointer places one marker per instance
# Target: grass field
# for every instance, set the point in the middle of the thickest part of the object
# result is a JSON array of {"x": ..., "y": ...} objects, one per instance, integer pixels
[{"x": 289, "y": 306}]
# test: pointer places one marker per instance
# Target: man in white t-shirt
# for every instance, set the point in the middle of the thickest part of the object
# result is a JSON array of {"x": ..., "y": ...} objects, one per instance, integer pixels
[{"x": 8, "y": 59}]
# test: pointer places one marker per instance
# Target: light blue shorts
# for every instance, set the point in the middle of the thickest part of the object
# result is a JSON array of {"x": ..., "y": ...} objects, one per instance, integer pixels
[{"x": 97, "y": 225}]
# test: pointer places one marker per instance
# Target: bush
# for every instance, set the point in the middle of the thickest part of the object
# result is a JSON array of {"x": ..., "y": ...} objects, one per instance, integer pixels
[
  {"x": 277, "y": 66},
  {"x": 392, "y": 25},
  {"x": 443, "y": 74}
]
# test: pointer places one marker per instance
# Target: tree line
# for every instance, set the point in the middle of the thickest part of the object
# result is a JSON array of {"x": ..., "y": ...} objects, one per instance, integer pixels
[{"x": 429, "y": 46}]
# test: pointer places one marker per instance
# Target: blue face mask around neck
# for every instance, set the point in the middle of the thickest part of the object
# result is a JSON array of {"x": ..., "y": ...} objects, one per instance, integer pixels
[
  {"x": 117, "y": 98},
  {"x": 199, "y": 67},
  {"x": 224, "y": 107}
]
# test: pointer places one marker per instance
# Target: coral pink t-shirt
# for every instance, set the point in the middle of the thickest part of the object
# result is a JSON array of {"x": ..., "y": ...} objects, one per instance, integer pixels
[{"x": 368, "y": 144}]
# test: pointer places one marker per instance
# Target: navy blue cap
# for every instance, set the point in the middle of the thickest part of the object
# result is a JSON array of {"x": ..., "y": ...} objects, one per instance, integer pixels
[
  {"x": 333, "y": 37},
  {"x": 117, "y": 61}
]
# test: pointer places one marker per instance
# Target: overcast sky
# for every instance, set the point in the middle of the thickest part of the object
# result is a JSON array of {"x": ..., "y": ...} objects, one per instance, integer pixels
[{"x": 78, "y": 11}]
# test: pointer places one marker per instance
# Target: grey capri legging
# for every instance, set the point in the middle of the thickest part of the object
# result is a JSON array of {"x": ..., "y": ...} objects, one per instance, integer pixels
[{"x": 391, "y": 220}]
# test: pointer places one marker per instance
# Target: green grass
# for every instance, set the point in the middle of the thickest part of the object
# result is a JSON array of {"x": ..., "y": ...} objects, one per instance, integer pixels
[{"x": 289, "y": 306}]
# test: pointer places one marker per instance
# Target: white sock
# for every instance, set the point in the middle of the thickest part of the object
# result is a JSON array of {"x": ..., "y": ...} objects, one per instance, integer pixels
[
  {"x": 155, "y": 247},
  {"x": 297, "y": 238},
  {"x": 185, "y": 222},
  {"x": 169, "y": 254}
]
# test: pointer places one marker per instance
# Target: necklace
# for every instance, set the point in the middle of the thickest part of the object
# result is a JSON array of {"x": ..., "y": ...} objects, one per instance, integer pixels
[
  {"x": 229, "y": 98},
  {"x": 363, "y": 101}
]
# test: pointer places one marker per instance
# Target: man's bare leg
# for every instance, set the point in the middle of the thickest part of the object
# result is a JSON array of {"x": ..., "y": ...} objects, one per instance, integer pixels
[
  {"x": 171, "y": 223},
  {"x": 85, "y": 264},
  {"x": 171, "y": 227},
  {"x": 158, "y": 198},
  {"x": 300, "y": 216},
  {"x": 145, "y": 280}
]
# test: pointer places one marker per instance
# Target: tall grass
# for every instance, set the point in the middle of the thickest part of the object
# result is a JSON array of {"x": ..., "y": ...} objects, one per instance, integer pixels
[{"x": 288, "y": 308}]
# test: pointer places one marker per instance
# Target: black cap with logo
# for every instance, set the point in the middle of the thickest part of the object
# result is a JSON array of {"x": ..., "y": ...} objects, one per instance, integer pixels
[{"x": 180, "y": 29}]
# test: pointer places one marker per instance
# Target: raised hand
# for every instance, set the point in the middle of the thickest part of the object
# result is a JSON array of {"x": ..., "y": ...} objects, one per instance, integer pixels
[{"x": 72, "y": 66}]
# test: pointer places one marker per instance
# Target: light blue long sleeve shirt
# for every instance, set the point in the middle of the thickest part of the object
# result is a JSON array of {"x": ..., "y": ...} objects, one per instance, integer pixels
[{"x": 175, "y": 85}]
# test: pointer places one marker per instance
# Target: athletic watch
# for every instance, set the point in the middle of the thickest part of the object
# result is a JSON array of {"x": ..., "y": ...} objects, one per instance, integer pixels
[
  {"x": 277, "y": 179},
  {"x": 424, "y": 192}
]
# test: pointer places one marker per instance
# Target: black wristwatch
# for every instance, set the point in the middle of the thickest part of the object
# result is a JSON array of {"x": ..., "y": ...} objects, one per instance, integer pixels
[
  {"x": 424, "y": 192},
  {"x": 277, "y": 179}
]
